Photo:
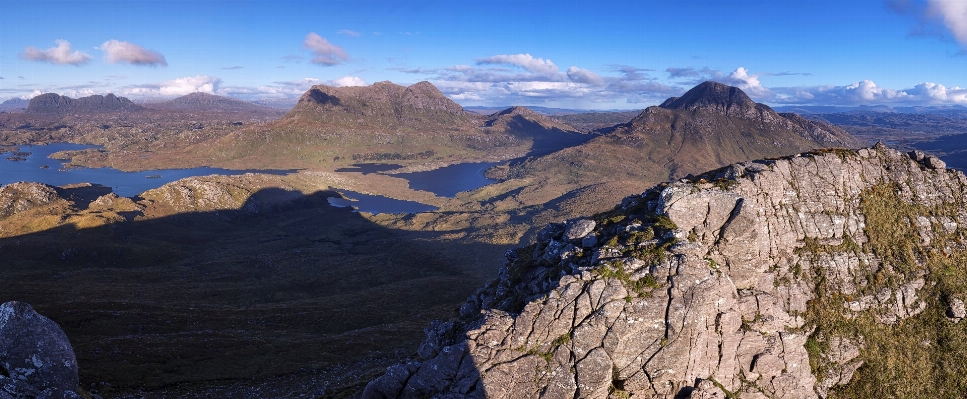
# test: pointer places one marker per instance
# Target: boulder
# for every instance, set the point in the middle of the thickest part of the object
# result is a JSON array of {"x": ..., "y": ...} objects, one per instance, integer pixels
[
  {"x": 578, "y": 229},
  {"x": 34, "y": 350}
]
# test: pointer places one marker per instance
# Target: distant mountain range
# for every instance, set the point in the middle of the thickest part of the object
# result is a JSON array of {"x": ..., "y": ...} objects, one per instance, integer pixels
[
  {"x": 50, "y": 103},
  {"x": 199, "y": 102},
  {"x": 14, "y": 105}
]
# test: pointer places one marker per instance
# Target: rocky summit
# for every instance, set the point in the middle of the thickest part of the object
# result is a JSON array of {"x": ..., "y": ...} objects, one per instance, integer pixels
[
  {"x": 834, "y": 273},
  {"x": 50, "y": 103}
]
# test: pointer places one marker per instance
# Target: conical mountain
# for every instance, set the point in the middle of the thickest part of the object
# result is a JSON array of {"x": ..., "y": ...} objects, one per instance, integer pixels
[
  {"x": 710, "y": 126},
  {"x": 713, "y": 96}
]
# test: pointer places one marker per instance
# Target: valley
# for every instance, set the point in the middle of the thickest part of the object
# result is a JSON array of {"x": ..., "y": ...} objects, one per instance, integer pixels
[{"x": 214, "y": 282}]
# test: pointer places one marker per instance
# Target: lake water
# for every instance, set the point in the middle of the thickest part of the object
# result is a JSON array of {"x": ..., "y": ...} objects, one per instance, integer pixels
[
  {"x": 954, "y": 147},
  {"x": 369, "y": 168},
  {"x": 378, "y": 204},
  {"x": 450, "y": 180},
  {"x": 444, "y": 182},
  {"x": 125, "y": 184}
]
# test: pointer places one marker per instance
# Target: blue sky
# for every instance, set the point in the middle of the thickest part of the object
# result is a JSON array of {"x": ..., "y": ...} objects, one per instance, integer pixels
[{"x": 567, "y": 54}]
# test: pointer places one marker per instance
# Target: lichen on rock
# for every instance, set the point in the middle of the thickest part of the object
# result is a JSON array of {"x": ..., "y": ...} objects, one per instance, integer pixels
[{"x": 825, "y": 274}]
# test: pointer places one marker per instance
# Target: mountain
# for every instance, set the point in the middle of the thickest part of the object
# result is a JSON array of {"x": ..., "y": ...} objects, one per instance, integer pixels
[
  {"x": 710, "y": 126},
  {"x": 13, "y": 105},
  {"x": 548, "y": 135},
  {"x": 385, "y": 122},
  {"x": 382, "y": 105},
  {"x": 204, "y": 102},
  {"x": 51, "y": 103},
  {"x": 829, "y": 274}
]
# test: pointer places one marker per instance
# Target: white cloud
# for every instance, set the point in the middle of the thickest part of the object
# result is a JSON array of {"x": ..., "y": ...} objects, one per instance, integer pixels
[
  {"x": 60, "y": 55},
  {"x": 348, "y": 32},
  {"x": 116, "y": 51},
  {"x": 534, "y": 65},
  {"x": 190, "y": 84},
  {"x": 954, "y": 16},
  {"x": 326, "y": 53},
  {"x": 579, "y": 75},
  {"x": 749, "y": 83},
  {"x": 867, "y": 92},
  {"x": 349, "y": 81}
]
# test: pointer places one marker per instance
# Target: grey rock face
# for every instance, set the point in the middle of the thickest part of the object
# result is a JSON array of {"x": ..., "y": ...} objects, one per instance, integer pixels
[
  {"x": 578, "y": 229},
  {"x": 700, "y": 290},
  {"x": 955, "y": 311},
  {"x": 934, "y": 162},
  {"x": 34, "y": 352},
  {"x": 22, "y": 196}
]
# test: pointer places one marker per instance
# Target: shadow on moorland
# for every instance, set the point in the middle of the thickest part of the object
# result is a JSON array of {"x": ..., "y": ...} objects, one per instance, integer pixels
[
  {"x": 283, "y": 284},
  {"x": 545, "y": 140}
]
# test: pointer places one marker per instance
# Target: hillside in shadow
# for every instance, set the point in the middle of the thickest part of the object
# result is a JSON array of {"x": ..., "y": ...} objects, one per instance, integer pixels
[{"x": 277, "y": 287}]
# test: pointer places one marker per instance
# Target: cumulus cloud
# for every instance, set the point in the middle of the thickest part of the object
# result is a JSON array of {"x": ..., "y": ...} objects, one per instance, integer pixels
[
  {"x": 116, "y": 51},
  {"x": 578, "y": 75},
  {"x": 534, "y": 65},
  {"x": 346, "y": 81},
  {"x": 749, "y": 83},
  {"x": 866, "y": 92},
  {"x": 60, "y": 55},
  {"x": 953, "y": 13},
  {"x": 524, "y": 79},
  {"x": 326, "y": 53},
  {"x": 188, "y": 85}
]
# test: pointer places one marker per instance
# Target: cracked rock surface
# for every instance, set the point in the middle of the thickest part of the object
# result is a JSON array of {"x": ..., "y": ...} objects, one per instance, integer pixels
[{"x": 697, "y": 288}]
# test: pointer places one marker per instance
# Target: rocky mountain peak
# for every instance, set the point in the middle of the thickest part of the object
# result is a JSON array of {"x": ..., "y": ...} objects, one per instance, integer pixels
[
  {"x": 52, "y": 103},
  {"x": 516, "y": 110},
  {"x": 711, "y": 96},
  {"x": 524, "y": 121},
  {"x": 800, "y": 277}
]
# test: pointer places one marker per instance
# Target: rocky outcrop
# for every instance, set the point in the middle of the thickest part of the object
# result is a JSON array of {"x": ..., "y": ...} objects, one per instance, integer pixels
[
  {"x": 800, "y": 277},
  {"x": 36, "y": 360},
  {"x": 248, "y": 193},
  {"x": 22, "y": 196}
]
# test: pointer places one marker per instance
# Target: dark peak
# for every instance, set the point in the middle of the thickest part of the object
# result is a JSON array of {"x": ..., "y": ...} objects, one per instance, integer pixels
[
  {"x": 516, "y": 110},
  {"x": 424, "y": 87},
  {"x": 422, "y": 95},
  {"x": 55, "y": 103},
  {"x": 711, "y": 95}
]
